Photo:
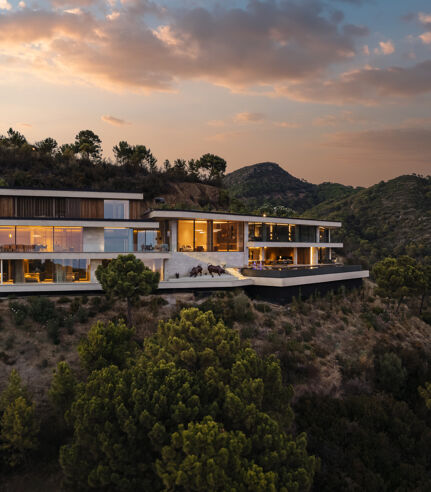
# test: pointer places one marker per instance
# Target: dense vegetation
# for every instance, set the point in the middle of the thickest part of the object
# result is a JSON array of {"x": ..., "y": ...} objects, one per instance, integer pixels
[
  {"x": 80, "y": 164},
  {"x": 267, "y": 183},
  {"x": 389, "y": 218}
]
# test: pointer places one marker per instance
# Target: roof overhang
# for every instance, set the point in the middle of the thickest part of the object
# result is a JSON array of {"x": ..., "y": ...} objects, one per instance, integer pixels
[
  {"x": 104, "y": 195},
  {"x": 188, "y": 214}
]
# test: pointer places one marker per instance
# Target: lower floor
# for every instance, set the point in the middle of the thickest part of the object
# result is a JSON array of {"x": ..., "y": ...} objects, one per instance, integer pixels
[
  {"x": 276, "y": 256},
  {"x": 253, "y": 266}
]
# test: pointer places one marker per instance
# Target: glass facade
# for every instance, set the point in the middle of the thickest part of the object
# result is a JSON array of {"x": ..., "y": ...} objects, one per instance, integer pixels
[
  {"x": 116, "y": 209},
  {"x": 228, "y": 236},
  {"x": 209, "y": 235},
  {"x": 21, "y": 239},
  {"x": 281, "y": 233},
  {"x": 46, "y": 271},
  {"x": 126, "y": 240}
]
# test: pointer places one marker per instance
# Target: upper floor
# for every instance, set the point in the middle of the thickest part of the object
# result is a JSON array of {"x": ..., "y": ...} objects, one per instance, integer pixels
[{"x": 70, "y": 204}]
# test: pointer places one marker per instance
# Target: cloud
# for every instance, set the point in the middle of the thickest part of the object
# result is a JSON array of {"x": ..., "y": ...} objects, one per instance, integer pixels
[
  {"x": 406, "y": 144},
  {"x": 385, "y": 48},
  {"x": 112, "y": 120},
  {"x": 216, "y": 123},
  {"x": 367, "y": 85},
  {"x": 287, "y": 124},
  {"x": 266, "y": 42},
  {"x": 247, "y": 117},
  {"x": 379, "y": 153},
  {"x": 25, "y": 125},
  {"x": 5, "y": 5}
]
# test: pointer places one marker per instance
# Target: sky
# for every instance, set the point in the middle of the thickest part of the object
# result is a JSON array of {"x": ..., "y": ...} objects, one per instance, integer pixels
[{"x": 332, "y": 90}]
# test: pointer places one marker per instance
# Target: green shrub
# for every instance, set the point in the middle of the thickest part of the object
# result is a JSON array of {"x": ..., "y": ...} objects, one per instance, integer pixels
[
  {"x": 84, "y": 299},
  {"x": 82, "y": 315},
  {"x": 53, "y": 330},
  {"x": 64, "y": 300},
  {"x": 75, "y": 305},
  {"x": 262, "y": 308},
  {"x": 19, "y": 312},
  {"x": 69, "y": 322},
  {"x": 248, "y": 331},
  {"x": 426, "y": 317},
  {"x": 41, "y": 309},
  {"x": 288, "y": 328}
]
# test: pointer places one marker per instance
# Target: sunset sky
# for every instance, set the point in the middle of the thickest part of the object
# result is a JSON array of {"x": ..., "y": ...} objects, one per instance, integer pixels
[{"x": 335, "y": 90}]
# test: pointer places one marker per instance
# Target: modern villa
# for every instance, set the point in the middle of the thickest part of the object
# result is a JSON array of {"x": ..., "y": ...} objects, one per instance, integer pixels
[{"x": 53, "y": 241}]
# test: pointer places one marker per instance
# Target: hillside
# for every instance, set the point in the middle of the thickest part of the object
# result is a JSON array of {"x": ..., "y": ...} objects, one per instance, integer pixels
[
  {"x": 389, "y": 218},
  {"x": 267, "y": 182},
  {"x": 316, "y": 342}
]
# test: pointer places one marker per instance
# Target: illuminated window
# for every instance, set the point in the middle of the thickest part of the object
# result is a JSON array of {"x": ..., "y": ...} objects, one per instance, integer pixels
[
  {"x": 201, "y": 235},
  {"x": 7, "y": 238},
  {"x": 186, "y": 235},
  {"x": 34, "y": 239},
  {"x": 46, "y": 271},
  {"x": 228, "y": 236}
]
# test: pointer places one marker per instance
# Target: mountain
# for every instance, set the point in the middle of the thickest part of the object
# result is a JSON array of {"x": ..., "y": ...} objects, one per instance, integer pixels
[
  {"x": 267, "y": 182},
  {"x": 389, "y": 218}
]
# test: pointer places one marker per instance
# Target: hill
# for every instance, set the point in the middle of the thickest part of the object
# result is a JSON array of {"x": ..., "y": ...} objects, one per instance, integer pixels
[
  {"x": 267, "y": 182},
  {"x": 389, "y": 218}
]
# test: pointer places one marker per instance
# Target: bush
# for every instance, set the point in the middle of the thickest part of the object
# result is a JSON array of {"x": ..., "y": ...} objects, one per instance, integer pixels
[
  {"x": 64, "y": 300},
  {"x": 53, "y": 330},
  {"x": 82, "y": 315},
  {"x": 19, "y": 312},
  {"x": 41, "y": 309},
  {"x": 390, "y": 375},
  {"x": 262, "y": 308}
]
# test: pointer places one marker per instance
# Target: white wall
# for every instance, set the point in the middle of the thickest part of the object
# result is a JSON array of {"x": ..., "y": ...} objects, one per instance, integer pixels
[{"x": 93, "y": 239}]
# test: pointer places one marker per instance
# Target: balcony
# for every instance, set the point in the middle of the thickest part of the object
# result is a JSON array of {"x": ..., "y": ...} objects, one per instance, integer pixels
[{"x": 299, "y": 271}]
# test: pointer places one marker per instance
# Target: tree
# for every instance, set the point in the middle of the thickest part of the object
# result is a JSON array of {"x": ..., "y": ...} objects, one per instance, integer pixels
[
  {"x": 105, "y": 345},
  {"x": 18, "y": 425},
  {"x": 137, "y": 156},
  {"x": 426, "y": 394},
  {"x": 63, "y": 388},
  {"x": 123, "y": 153},
  {"x": 426, "y": 271},
  {"x": 15, "y": 139},
  {"x": 88, "y": 144},
  {"x": 214, "y": 165},
  {"x": 46, "y": 146},
  {"x": 398, "y": 278},
  {"x": 207, "y": 457},
  {"x": 390, "y": 374},
  {"x": 193, "y": 376},
  {"x": 275, "y": 210},
  {"x": 127, "y": 278}
]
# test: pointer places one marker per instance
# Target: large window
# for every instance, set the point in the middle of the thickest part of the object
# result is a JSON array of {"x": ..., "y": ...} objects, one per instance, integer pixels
[
  {"x": 34, "y": 239},
  {"x": 67, "y": 239},
  {"x": 118, "y": 240},
  {"x": 201, "y": 235},
  {"x": 208, "y": 235},
  {"x": 7, "y": 239},
  {"x": 116, "y": 209},
  {"x": 228, "y": 236},
  {"x": 46, "y": 271},
  {"x": 277, "y": 233},
  {"x": 126, "y": 240},
  {"x": 186, "y": 235}
]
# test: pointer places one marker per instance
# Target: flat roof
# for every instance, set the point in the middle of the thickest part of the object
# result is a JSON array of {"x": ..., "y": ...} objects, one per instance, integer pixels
[
  {"x": 69, "y": 193},
  {"x": 199, "y": 214}
]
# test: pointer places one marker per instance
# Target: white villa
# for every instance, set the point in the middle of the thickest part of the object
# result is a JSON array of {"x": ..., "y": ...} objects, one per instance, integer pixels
[{"x": 53, "y": 241}]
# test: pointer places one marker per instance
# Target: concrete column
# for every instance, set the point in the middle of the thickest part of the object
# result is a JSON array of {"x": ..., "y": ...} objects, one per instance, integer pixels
[
  {"x": 317, "y": 235},
  {"x": 245, "y": 243},
  {"x": 1, "y": 272},
  {"x": 173, "y": 227},
  {"x": 329, "y": 235},
  {"x": 295, "y": 256},
  {"x": 314, "y": 256}
]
